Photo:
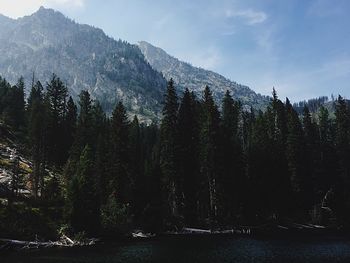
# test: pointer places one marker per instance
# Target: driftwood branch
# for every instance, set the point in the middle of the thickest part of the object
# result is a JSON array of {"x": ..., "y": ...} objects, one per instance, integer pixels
[{"x": 63, "y": 242}]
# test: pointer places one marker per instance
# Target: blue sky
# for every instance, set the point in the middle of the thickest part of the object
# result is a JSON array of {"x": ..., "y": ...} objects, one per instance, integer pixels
[{"x": 301, "y": 47}]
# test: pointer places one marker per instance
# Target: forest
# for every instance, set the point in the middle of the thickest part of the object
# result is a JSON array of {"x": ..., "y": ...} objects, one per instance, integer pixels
[{"x": 202, "y": 165}]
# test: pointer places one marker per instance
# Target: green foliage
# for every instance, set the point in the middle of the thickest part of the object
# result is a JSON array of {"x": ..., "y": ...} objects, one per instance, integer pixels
[
  {"x": 200, "y": 167},
  {"x": 232, "y": 181},
  {"x": 209, "y": 153},
  {"x": 83, "y": 201},
  {"x": 188, "y": 166},
  {"x": 115, "y": 217},
  {"x": 27, "y": 223},
  {"x": 120, "y": 183},
  {"x": 12, "y": 103},
  {"x": 169, "y": 153}
]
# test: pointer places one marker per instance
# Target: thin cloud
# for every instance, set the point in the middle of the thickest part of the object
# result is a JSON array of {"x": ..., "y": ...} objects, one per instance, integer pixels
[{"x": 250, "y": 16}]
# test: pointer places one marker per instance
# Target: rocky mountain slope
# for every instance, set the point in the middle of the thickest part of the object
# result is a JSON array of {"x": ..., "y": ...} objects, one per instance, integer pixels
[
  {"x": 195, "y": 79},
  {"x": 12, "y": 161},
  {"x": 84, "y": 57}
]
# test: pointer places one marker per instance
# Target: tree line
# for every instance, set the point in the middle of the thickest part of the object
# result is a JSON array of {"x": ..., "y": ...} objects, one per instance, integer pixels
[{"x": 199, "y": 166}]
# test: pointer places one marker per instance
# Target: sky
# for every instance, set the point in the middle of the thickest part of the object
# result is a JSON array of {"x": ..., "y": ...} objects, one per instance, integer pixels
[{"x": 300, "y": 47}]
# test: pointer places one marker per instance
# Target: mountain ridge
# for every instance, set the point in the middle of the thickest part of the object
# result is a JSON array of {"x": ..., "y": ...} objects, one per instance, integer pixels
[
  {"x": 195, "y": 78},
  {"x": 47, "y": 42},
  {"x": 86, "y": 58}
]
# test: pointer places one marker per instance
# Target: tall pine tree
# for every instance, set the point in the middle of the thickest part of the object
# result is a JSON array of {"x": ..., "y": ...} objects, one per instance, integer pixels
[{"x": 169, "y": 153}]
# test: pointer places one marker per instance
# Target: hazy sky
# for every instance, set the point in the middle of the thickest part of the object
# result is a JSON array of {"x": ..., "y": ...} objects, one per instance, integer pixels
[{"x": 302, "y": 47}]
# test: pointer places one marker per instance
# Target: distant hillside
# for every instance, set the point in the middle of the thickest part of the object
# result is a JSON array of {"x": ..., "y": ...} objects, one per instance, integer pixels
[
  {"x": 315, "y": 104},
  {"x": 194, "y": 78},
  {"x": 83, "y": 56}
]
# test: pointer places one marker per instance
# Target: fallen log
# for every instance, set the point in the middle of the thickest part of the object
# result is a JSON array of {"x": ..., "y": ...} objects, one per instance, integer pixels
[
  {"x": 70, "y": 241},
  {"x": 196, "y": 230},
  {"x": 64, "y": 242}
]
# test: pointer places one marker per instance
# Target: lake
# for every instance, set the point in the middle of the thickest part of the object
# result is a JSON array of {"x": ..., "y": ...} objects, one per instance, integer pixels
[{"x": 206, "y": 248}]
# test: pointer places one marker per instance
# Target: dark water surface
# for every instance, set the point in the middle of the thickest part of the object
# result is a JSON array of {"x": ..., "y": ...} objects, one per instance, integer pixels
[{"x": 208, "y": 249}]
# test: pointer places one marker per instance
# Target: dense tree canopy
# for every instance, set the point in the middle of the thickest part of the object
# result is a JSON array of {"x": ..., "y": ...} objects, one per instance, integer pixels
[{"x": 200, "y": 166}]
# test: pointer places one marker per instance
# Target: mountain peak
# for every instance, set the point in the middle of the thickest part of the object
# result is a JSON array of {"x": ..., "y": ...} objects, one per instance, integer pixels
[
  {"x": 47, "y": 13},
  {"x": 43, "y": 9},
  {"x": 147, "y": 47},
  {"x": 84, "y": 57}
]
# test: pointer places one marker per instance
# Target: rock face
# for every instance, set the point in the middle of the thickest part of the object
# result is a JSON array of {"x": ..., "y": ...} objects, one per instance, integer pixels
[
  {"x": 195, "y": 79},
  {"x": 83, "y": 56}
]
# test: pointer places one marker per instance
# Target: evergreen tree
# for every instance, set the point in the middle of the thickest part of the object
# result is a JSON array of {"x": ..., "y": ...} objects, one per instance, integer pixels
[
  {"x": 209, "y": 156},
  {"x": 120, "y": 184},
  {"x": 280, "y": 181},
  {"x": 19, "y": 104},
  {"x": 327, "y": 156},
  {"x": 136, "y": 167},
  {"x": 56, "y": 97},
  {"x": 83, "y": 206},
  {"x": 169, "y": 152},
  {"x": 188, "y": 126},
  {"x": 70, "y": 125},
  {"x": 13, "y": 104},
  {"x": 4, "y": 95},
  {"x": 37, "y": 121},
  {"x": 311, "y": 152},
  {"x": 98, "y": 122},
  {"x": 259, "y": 161},
  {"x": 232, "y": 181},
  {"x": 84, "y": 133},
  {"x": 152, "y": 213},
  {"x": 295, "y": 153},
  {"x": 342, "y": 141}
]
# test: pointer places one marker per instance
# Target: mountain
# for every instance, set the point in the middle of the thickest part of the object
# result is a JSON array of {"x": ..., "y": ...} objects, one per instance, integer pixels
[
  {"x": 84, "y": 57},
  {"x": 47, "y": 42},
  {"x": 195, "y": 79}
]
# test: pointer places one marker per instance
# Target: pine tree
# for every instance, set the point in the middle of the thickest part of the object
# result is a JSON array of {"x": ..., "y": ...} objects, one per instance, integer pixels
[
  {"x": 280, "y": 181},
  {"x": 84, "y": 133},
  {"x": 169, "y": 152},
  {"x": 120, "y": 180},
  {"x": 152, "y": 213},
  {"x": 136, "y": 166},
  {"x": 209, "y": 156},
  {"x": 13, "y": 104},
  {"x": 327, "y": 156},
  {"x": 342, "y": 140},
  {"x": 37, "y": 122},
  {"x": 19, "y": 104},
  {"x": 56, "y": 97},
  {"x": 259, "y": 161},
  {"x": 102, "y": 151},
  {"x": 232, "y": 181},
  {"x": 295, "y": 153},
  {"x": 83, "y": 206},
  {"x": 98, "y": 119},
  {"x": 311, "y": 152},
  {"x": 188, "y": 128},
  {"x": 70, "y": 125},
  {"x": 343, "y": 136}
]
